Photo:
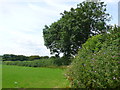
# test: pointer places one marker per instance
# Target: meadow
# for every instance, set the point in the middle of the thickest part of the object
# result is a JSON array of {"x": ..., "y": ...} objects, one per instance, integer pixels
[{"x": 30, "y": 77}]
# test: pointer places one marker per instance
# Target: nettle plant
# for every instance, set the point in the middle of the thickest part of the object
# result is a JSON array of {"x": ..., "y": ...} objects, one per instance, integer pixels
[{"x": 97, "y": 64}]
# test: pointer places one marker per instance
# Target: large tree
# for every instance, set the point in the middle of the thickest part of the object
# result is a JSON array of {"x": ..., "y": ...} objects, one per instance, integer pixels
[{"x": 75, "y": 27}]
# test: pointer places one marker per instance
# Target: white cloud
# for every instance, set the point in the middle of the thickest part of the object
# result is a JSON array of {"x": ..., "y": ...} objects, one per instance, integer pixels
[
  {"x": 53, "y": 1},
  {"x": 110, "y": 1},
  {"x": 57, "y": 3},
  {"x": 21, "y": 27},
  {"x": 21, "y": 1}
]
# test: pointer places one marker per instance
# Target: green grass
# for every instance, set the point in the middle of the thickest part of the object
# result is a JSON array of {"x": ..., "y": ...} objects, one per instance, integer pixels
[
  {"x": 29, "y": 77},
  {"x": 0, "y": 75},
  {"x": 0, "y": 72}
]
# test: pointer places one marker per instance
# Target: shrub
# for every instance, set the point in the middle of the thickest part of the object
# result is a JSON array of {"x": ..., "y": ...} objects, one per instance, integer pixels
[
  {"x": 94, "y": 43},
  {"x": 95, "y": 67}
]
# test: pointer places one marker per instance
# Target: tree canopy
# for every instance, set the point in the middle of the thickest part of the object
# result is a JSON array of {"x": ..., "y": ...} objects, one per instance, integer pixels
[{"x": 74, "y": 27}]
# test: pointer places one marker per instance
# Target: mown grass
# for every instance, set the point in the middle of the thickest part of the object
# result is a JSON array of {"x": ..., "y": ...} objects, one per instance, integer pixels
[
  {"x": 0, "y": 72},
  {"x": 0, "y": 75},
  {"x": 29, "y": 77}
]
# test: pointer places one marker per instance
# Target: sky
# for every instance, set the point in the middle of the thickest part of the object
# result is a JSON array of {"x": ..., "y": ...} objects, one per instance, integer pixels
[{"x": 22, "y": 23}]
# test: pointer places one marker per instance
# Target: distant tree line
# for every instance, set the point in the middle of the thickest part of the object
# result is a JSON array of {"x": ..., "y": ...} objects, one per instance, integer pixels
[{"x": 12, "y": 57}]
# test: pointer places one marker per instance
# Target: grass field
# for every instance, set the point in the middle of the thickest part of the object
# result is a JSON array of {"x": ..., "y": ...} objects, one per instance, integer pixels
[
  {"x": 29, "y": 77},
  {"x": 0, "y": 75},
  {"x": 0, "y": 72}
]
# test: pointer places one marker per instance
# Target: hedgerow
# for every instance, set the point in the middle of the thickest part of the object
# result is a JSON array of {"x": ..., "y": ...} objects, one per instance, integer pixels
[
  {"x": 97, "y": 64},
  {"x": 48, "y": 62}
]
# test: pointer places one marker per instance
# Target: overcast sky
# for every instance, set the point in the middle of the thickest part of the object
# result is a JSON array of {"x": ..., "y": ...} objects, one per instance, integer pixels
[{"x": 22, "y": 23}]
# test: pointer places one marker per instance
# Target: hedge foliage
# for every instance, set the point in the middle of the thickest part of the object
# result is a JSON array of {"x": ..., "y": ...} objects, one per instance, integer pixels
[
  {"x": 97, "y": 64},
  {"x": 45, "y": 62}
]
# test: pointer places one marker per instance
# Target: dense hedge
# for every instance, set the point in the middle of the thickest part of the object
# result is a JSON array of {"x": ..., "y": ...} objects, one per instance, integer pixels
[
  {"x": 35, "y": 63},
  {"x": 0, "y": 58},
  {"x": 97, "y": 64},
  {"x": 50, "y": 62}
]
